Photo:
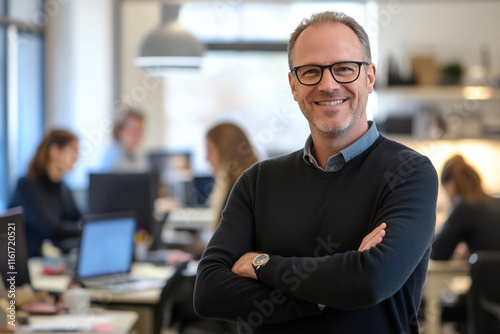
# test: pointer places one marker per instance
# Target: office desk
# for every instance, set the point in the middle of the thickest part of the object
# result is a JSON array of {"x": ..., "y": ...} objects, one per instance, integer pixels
[
  {"x": 118, "y": 322},
  {"x": 193, "y": 220},
  {"x": 190, "y": 218},
  {"x": 143, "y": 302},
  {"x": 439, "y": 274}
]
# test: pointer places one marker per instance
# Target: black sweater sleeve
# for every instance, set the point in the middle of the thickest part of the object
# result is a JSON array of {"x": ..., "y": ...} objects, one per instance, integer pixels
[
  {"x": 50, "y": 215},
  {"x": 221, "y": 294}
]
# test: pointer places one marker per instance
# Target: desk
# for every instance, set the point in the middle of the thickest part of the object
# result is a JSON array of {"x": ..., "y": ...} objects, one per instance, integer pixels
[
  {"x": 119, "y": 321},
  {"x": 194, "y": 220},
  {"x": 190, "y": 218},
  {"x": 143, "y": 302},
  {"x": 439, "y": 273}
]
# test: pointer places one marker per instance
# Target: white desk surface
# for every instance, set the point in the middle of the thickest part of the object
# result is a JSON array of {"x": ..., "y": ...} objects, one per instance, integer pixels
[
  {"x": 439, "y": 274},
  {"x": 190, "y": 218},
  {"x": 59, "y": 283},
  {"x": 117, "y": 322}
]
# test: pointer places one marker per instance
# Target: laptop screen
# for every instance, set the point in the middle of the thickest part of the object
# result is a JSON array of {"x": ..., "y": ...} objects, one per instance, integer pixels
[
  {"x": 106, "y": 246},
  {"x": 13, "y": 250}
]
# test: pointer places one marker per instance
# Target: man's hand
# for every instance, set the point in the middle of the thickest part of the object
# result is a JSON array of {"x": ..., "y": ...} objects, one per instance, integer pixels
[
  {"x": 373, "y": 238},
  {"x": 243, "y": 266}
]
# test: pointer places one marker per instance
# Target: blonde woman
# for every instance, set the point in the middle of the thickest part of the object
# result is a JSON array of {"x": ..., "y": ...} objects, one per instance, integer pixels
[{"x": 229, "y": 153}]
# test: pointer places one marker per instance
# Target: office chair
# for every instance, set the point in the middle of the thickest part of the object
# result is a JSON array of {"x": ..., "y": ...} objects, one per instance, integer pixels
[
  {"x": 483, "y": 304},
  {"x": 176, "y": 311}
]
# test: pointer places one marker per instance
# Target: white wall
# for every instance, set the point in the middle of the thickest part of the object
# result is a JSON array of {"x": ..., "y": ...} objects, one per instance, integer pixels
[
  {"x": 79, "y": 76},
  {"x": 137, "y": 88},
  {"x": 455, "y": 31}
]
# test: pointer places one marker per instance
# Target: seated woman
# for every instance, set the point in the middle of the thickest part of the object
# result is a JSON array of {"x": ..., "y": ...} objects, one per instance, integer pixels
[
  {"x": 229, "y": 154},
  {"x": 49, "y": 209},
  {"x": 475, "y": 218}
]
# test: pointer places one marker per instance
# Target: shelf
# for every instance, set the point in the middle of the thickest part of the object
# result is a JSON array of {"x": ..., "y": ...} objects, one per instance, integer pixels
[{"x": 437, "y": 93}]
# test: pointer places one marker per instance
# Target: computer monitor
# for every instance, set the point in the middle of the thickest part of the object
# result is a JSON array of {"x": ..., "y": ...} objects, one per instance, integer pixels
[
  {"x": 202, "y": 188},
  {"x": 171, "y": 161},
  {"x": 175, "y": 173},
  {"x": 13, "y": 250},
  {"x": 120, "y": 192}
]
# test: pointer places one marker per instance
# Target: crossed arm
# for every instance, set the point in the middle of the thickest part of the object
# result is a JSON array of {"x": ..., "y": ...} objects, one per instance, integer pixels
[
  {"x": 244, "y": 268},
  {"x": 227, "y": 287}
]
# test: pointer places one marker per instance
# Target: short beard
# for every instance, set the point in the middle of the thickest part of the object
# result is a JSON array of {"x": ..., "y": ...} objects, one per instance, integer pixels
[{"x": 334, "y": 131}]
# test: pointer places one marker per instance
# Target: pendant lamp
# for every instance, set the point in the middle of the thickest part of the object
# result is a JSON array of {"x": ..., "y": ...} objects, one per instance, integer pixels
[{"x": 170, "y": 46}]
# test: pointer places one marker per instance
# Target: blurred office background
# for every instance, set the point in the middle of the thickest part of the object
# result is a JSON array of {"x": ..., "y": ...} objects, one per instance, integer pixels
[{"x": 70, "y": 63}]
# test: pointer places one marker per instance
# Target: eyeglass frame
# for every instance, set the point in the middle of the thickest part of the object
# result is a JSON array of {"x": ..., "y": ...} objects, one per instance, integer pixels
[{"x": 330, "y": 68}]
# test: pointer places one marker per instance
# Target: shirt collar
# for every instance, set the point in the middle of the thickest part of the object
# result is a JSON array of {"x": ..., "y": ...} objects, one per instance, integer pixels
[{"x": 337, "y": 161}]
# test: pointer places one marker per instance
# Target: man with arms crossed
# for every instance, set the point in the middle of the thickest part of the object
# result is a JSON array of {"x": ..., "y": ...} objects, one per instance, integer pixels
[{"x": 299, "y": 248}]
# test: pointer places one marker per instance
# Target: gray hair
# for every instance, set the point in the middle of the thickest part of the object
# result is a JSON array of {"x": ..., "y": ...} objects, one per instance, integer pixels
[{"x": 331, "y": 17}]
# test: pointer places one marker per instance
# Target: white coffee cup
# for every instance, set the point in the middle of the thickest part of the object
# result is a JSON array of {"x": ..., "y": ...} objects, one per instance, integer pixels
[{"x": 77, "y": 301}]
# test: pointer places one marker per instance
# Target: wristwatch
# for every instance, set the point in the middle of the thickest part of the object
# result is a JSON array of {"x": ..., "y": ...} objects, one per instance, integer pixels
[{"x": 260, "y": 261}]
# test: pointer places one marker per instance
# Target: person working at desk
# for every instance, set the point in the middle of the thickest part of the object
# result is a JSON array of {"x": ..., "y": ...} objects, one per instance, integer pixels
[
  {"x": 50, "y": 211},
  {"x": 475, "y": 218},
  {"x": 229, "y": 153},
  {"x": 299, "y": 247},
  {"x": 128, "y": 132}
]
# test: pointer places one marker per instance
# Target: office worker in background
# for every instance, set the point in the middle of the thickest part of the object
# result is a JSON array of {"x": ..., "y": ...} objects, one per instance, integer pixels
[
  {"x": 128, "y": 132},
  {"x": 49, "y": 209},
  {"x": 229, "y": 153},
  {"x": 335, "y": 237},
  {"x": 475, "y": 217}
]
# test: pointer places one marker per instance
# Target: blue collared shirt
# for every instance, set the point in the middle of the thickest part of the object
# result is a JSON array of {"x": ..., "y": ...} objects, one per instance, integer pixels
[{"x": 337, "y": 161}]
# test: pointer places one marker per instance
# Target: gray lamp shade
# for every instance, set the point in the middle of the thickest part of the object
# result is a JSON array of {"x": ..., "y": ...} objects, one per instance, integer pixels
[{"x": 170, "y": 45}]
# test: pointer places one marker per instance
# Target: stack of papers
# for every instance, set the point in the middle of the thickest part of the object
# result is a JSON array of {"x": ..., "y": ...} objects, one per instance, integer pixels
[{"x": 71, "y": 323}]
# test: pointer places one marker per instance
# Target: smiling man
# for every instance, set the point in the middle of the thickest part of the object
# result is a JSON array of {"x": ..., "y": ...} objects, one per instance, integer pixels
[{"x": 333, "y": 238}]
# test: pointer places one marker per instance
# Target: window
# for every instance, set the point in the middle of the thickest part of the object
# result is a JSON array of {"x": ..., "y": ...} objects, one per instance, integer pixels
[
  {"x": 21, "y": 89},
  {"x": 3, "y": 119},
  {"x": 248, "y": 88},
  {"x": 25, "y": 10},
  {"x": 31, "y": 101}
]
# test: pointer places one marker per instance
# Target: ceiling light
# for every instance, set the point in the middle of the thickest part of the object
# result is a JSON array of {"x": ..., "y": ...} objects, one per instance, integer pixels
[{"x": 170, "y": 45}]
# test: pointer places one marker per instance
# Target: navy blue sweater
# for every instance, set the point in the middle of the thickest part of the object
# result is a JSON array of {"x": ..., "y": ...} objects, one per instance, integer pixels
[
  {"x": 311, "y": 223},
  {"x": 477, "y": 223},
  {"x": 49, "y": 213}
]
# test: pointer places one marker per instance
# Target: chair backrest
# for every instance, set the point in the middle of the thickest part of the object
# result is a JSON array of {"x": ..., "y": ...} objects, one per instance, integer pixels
[
  {"x": 176, "y": 310},
  {"x": 483, "y": 303}
]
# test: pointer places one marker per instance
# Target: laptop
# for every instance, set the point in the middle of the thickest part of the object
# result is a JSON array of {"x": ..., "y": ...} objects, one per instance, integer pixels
[
  {"x": 13, "y": 248},
  {"x": 106, "y": 252}
]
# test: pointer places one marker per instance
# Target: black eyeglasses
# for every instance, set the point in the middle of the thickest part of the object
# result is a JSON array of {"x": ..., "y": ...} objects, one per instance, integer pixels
[{"x": 343, "y": 72}]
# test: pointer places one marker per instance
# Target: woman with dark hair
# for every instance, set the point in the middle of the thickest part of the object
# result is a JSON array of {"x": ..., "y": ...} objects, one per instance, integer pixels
[
  {"x": 49, "y": 209},
  {"x": 475, "y": 218}
]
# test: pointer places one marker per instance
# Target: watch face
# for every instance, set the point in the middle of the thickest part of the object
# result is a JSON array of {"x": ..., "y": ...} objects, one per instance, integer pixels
[{"x": 261, "y": 259}]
